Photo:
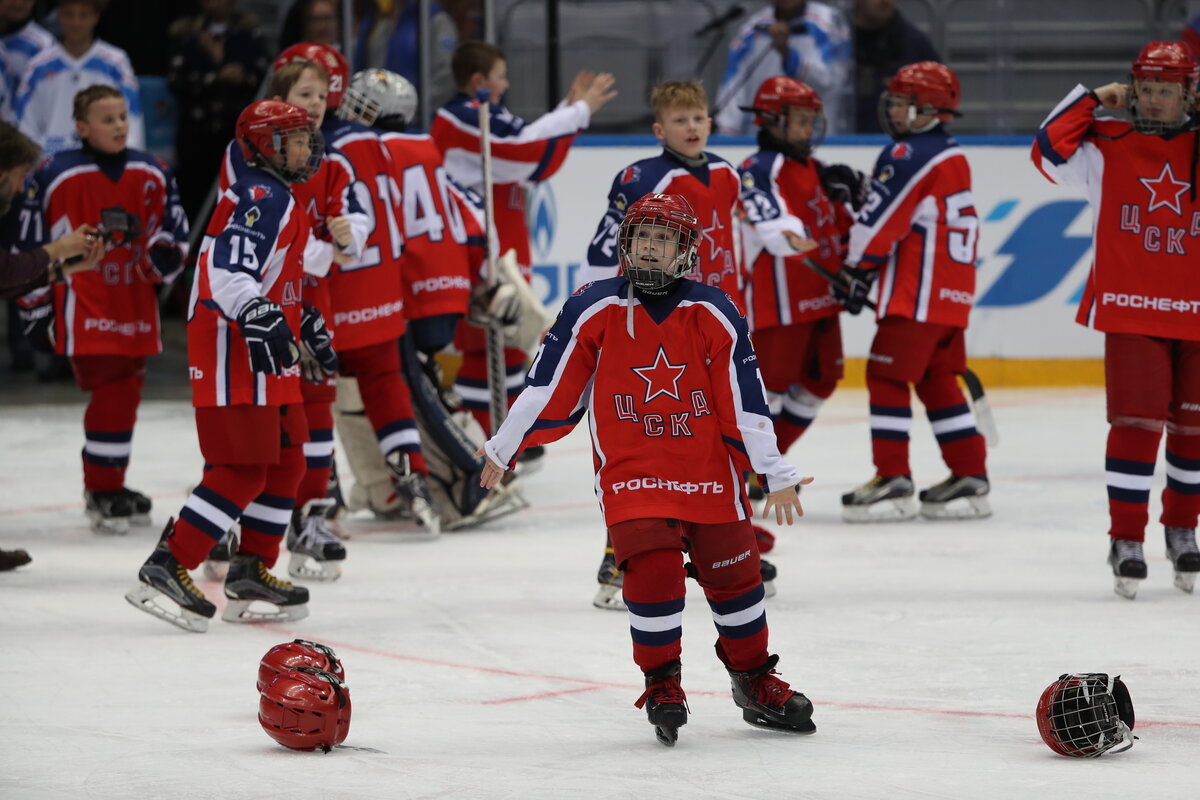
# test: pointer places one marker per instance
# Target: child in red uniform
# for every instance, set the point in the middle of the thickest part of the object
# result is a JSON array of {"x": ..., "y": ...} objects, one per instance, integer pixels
[
  {"x": 245, "y": 373},
  {"x": 917, "y": 232},
  {"x": 1142, "y": 291},
  {"x": 522, "y": 152},
  {"x": 678, "y": 416},
  {"x": 106, "y": 320}
]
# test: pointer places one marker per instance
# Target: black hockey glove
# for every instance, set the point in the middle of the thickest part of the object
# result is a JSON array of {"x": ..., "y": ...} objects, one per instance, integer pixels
[
  {"x": 272, "y": 346},
  {"x": 165, "y": 263},
  {"x": 318, "y": 341},
  {"x": 845, "y": 184},
  {"x": 853, "y": 286},
  {"x": 36, "y": 312}
]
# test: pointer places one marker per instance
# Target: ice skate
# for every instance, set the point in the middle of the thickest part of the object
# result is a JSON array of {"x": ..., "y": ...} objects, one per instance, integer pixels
[
  {"x": 665, "y": 703},
  {"x": 1184, "y": 555},
  {"x": 164, "y": 577},
  {"x": 768, "y": 572},
  {"x": 413, "y": 493},
  {"x": 316, "y": 552},
  {"x": 957, "y": 497},
  {"x": 608, "y": 595},
  {"x": 1128, "y": 566},
  {"x": 11, "y": 559},
  {"x": 335, "y": 504},
  {"x": 249, "y": 582},
  {"x": 216, "y": 566},
  {"x": 141, "y": 506},
  {"x": 767, "y": 701},
  {"x": 880, "y": 500},
  {"x": 110, "y": 512}
]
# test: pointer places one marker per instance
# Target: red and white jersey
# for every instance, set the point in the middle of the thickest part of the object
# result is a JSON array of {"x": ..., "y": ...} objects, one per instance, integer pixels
[
  {"x": 919, "y": 229},
  {"x": 677, "y": 411},
  {"x": 113, "y": 309},
  {"x": 1146, "y": 217},
  {"x": 784, "y": 195},
  {"x": 443, "y": 229},
  {"x": 254, "y": 247},
  {"x": 712, "y": 190},
  {"x": 521, "y": 152}
]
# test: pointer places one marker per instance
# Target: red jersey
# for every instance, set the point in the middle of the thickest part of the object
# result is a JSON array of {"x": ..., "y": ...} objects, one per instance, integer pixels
[
  {"x": 521, "y": 152},
  {"x": 919, "y": 229},
  {"x": 678, "y": 411},
  {"x": 443, "y": 229},
  {"x": 711, "y": 188},
  {"x": 1146, "y": 217},
  {"x": 254, "y": 246},
  {"x": 113, "y": 309},
  {"x": 784, "y": 195}
]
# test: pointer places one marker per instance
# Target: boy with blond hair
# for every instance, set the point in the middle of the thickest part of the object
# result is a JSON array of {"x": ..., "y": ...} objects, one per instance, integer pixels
[{"x": 710, "y": 185}]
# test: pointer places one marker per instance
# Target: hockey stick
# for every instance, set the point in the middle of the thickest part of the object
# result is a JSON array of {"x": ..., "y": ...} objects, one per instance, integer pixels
[
  {"x": 983, "y": 409},
  {"x": 496, "y": 368}
]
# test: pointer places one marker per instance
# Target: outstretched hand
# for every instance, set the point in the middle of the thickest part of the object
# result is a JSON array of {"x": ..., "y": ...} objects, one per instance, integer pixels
[
  {"x": 598, "y": 91},
  {"x": 492, "y": 472},
  {"x": 785, "y": 501}
]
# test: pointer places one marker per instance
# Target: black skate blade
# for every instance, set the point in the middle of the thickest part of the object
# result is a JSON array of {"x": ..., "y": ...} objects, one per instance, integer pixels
[
  {"x": 759, "y": 721},
  {"x": 666, "y": 734}
]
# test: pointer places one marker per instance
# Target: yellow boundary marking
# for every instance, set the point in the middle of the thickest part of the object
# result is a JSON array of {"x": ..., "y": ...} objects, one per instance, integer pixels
[{"x": 1010, "y": 372}]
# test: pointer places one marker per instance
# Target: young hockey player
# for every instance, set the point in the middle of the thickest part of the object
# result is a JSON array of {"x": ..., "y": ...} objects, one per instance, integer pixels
[
  {"x": 917, "y": 233},
  {"x": 522, "y": 152},
  {"x": 791, "y": 312},
  {"x": 339, "y": 227},
  {"x": 1140, "y": 176},
  {"x": 106, "y": 319},
  {"x": 667, "y": 368},
  {"x": 245, "y": 373},
  {"x": 367, "y": 303}
]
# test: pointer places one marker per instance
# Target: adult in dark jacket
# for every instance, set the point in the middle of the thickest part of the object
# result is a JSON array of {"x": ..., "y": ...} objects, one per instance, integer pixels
[{"x": 884, "y": 41}]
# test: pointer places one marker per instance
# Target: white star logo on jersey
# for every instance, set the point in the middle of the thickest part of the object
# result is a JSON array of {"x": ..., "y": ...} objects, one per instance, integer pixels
[
  {"x": 661, "y": 377},
  {"x": 1165, "y": 190},
  {"x": 714, "y": 248},
  {"x": 818, "y": 209}
]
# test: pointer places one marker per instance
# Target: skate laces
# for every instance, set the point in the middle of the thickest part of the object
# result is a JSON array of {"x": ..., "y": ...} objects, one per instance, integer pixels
[
  {"x": 181, "y": 574},
  {"x": 663, "y": 690},
  {"x": 1126, "y": 550},
  {"x": 271, "y": 580},
  {"x": 770, "y": 690},
  {"x": 1182, "y": 540},
  {"x": 315, "y": 532}
]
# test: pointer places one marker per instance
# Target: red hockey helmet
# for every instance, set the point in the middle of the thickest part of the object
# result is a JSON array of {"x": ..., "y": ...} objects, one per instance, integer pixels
[
  {"x": 1162, "y": 62},
  {"x": 1085, "y": 715},
  {"x": 925, "y": 88},
  {"x": 669, "y": 221},
  {"x": 776, "y": 94},
  {"x": 329, "y": 58},
  {"x": 263, "y": 131},
  {"x": 305, "y": 708},
  {"x": 298, "y": 653}
]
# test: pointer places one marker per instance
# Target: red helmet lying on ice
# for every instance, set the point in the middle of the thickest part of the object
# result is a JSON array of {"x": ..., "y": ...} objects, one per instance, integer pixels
[
  {"x": 305, "y": 708},
  {"x": 298, "y": 653}
]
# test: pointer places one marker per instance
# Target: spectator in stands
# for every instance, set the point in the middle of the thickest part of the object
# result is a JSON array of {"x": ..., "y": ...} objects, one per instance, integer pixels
[
  {"x": 801, "y": 39},
  {"x": 312, "y": 21},
  {"x": 884, "y": 41},
  {"x": 44, "y": 101},
  {"x": 21, "y": 38},
  {"x": 389, "y": 37},
  {"x": 218, "y": 60}
]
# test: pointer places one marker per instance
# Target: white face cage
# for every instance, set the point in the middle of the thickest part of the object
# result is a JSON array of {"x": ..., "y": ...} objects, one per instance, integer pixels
[
  {"x": 376, "y": 93},
  {"x": 654, "y": 236},
  {"x": 1155, "y": 127},
  {"x": 1084, "y": 718}
]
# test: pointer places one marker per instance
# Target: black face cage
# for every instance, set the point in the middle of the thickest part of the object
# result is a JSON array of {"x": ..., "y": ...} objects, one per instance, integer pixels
[
  {"x": 915, "y": 109},
  {"x": 1084, "y": 717},
  {"x": 657, "y": 277},
  {"x": 805, "y": 149},
  {"x": 1154, "y": 127}
]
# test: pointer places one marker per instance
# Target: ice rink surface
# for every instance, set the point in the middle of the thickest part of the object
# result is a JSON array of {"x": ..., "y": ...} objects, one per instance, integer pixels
[{"x": 479, "y": 669}]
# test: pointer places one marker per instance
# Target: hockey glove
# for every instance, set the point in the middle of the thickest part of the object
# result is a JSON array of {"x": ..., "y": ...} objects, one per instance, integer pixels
[
  {"x": 499, "y": 304},
  {"x": 164, "y": 262},
  {"x": 318, "y": 341},
  {"x": 272, "y": 346},
  {"x": 36, "y": 312},
  {"x": 845, "y": 184},
  {"x": 853, "y": 287}
]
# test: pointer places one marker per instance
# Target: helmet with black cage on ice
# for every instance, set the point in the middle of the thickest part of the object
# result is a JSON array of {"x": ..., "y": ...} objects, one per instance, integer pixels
[
  {"x": 1162, "y": 87},
  {"x": 298, "y": 653},
  {"x": 781, "y": 98},
  {"x": 267, "y": 132},
  {"x": 305, "y": 708},
  {"x": 328, "y": 58},
  {"x": 925, "y": 89},
  {"x": 658, "y": 241},
  {"x": 1085, "y": 715},
  {"x": 380, "y": 98}
]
